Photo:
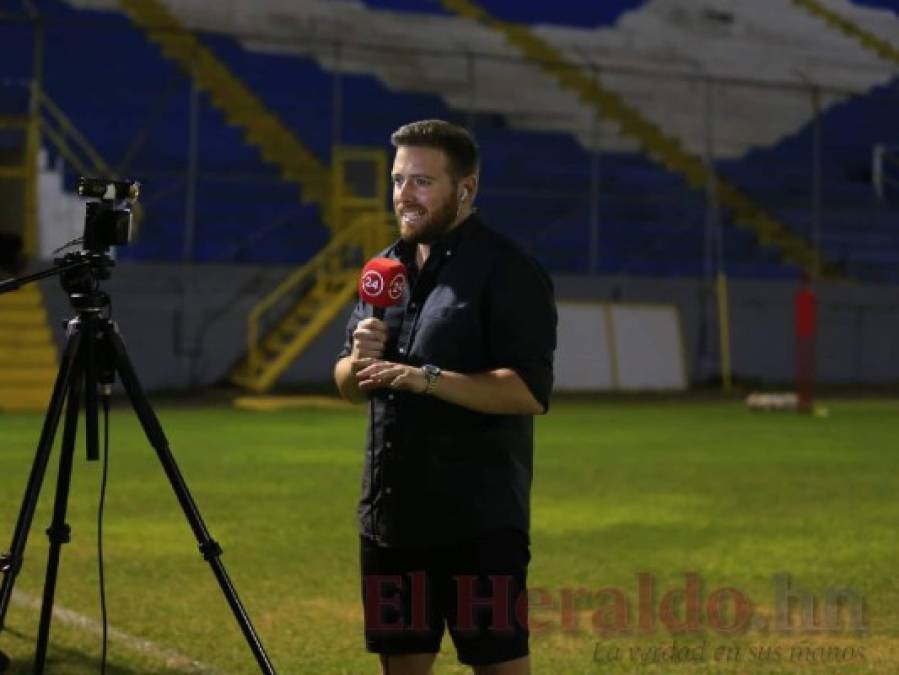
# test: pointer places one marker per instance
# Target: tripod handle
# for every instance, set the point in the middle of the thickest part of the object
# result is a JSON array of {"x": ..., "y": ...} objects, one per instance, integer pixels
[{"x": 15, "y": 284}]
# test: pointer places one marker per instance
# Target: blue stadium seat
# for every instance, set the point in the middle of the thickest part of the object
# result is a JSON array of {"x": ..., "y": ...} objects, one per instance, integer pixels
[
  {"x": 878, "y": 4},
  {"x": 415, "y": 6},
  {"x": 849, "y": 132},
  {"x": 566, "y": 12},
  {"x": 134, "y": 108}
]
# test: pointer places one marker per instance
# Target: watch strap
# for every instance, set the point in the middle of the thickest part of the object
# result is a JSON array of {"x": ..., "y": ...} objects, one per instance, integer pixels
[{"x": 432, "y": 374}]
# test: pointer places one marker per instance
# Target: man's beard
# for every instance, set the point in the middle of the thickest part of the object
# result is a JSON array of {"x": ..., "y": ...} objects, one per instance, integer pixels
[{"x": 433, "y": 227}]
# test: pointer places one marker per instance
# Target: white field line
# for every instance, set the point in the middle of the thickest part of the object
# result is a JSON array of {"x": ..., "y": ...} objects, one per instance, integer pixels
[{"x": 169, "y": 657}]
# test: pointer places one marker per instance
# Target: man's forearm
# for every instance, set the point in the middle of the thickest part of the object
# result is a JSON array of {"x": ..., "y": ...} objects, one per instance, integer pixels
[
  {"x": 346, "y": 381},
  {"x": 499, "y": 392}
]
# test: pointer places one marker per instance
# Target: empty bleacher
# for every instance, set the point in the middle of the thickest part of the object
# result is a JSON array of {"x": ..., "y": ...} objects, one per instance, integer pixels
[
  {"x": 416, "y": 6},
  {"x": 853, "y": 223},
  {"x": 535, "y": 186},
  {"x": 540, "y": 171},
  {"x": 889, "y": 5},
  {"x": 564, "y": 12},
  {"x": 135, "y": 107}
]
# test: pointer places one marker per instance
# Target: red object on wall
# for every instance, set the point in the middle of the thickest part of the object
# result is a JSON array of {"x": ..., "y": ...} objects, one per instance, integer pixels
[
  {"x": 804, "y": 313},
  {"x": 805, "y": 323}
]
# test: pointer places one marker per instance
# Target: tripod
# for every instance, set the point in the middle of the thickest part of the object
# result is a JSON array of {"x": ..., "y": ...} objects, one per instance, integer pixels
[{"x": 94, "y": 353}]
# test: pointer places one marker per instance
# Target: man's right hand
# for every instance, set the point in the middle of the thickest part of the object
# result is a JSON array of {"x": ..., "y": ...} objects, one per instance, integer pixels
[{"x": 369, "y": 340}]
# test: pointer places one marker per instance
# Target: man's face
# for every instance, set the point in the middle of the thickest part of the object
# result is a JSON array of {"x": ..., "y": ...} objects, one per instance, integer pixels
[{"x": 424, "y": 194}]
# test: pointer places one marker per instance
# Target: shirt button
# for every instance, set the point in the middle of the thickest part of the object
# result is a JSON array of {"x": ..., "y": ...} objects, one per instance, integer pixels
[
  {"x": 402, "y": 350},
  {"x": 389, "y": 397},
  {"x": 449, "y": 253},
  {"x": 388, "y": 491},
  {"x": 388, "y": 444},
  {"x": 412, "y": 305}
]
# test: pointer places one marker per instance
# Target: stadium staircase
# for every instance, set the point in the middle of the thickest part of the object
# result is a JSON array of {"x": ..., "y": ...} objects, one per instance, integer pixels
[
  {"x": 28, "y": 364},
  {"x": 311, "y": 297},
  {"x": 27, "y": 350},
  {"x": 662, "y": 147},
  {"x": 867, "y": 39},
  {"x": 66, "y": 139},
  {"x": 326, "y": 284},
  {"x": 868, "y": 247},
  {"x": 28, "y": 358},
  {"x": 241, "y": 106},
  {"x": 857, "y": 230}
]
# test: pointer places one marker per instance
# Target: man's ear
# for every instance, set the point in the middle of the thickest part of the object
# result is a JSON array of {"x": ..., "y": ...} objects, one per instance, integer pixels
[{"x": 469, "y": 186}]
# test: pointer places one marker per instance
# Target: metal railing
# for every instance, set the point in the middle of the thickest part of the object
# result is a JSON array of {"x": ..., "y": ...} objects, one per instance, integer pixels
[{"x": 368, "y": 233}]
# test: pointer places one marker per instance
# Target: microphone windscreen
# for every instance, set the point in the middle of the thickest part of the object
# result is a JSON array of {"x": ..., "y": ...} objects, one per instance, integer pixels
[{"x": 383, "y": 282}]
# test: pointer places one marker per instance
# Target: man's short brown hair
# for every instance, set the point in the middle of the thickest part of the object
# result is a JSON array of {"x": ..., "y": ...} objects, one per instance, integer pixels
[{"x": 459, "y": 146}]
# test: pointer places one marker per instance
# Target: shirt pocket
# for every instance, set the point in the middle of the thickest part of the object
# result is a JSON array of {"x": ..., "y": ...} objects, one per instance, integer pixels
[{"x": 449, "y": 336}]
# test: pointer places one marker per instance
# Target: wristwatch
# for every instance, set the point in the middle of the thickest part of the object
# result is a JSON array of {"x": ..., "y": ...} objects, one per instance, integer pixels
[{"x": 432, "y": 374}]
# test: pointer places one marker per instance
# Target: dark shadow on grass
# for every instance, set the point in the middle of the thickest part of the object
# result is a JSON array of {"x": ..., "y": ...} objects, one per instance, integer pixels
[{"x": 63, "y": 660}]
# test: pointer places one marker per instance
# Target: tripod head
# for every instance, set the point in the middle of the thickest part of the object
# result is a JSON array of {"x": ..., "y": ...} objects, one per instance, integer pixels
[{"x": 80, "y": 275}]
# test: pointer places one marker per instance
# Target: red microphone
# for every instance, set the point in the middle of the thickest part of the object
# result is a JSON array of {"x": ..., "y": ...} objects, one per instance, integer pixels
[{"x": 382, "y": 284}]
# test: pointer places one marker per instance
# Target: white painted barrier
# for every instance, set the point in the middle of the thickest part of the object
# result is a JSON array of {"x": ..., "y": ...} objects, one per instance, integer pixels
[{"x": 619, "y": 347}]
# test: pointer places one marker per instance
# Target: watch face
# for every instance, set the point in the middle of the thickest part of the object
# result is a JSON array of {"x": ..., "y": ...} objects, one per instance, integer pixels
[{"x": 431, "y": 370}]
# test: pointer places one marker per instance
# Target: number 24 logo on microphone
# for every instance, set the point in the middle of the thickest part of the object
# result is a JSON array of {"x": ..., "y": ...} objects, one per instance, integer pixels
[{"x": 373, "y": 283}]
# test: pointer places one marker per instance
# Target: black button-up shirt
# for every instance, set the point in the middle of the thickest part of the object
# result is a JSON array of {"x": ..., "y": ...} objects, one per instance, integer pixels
[{"x": 436, "y": 472}]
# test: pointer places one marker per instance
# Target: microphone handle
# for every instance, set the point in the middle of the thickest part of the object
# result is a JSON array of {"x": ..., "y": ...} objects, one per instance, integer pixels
[{"x": 378, "y": 313}]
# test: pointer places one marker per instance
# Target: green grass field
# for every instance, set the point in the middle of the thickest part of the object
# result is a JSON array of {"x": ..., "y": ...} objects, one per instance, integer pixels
[{"x": 662, "y": 488}]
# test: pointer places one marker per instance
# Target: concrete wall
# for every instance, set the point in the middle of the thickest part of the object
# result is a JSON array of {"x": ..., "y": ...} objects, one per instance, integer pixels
[
  {"x": 858, "y": 325},
  {"x": 185, "y": 326}
]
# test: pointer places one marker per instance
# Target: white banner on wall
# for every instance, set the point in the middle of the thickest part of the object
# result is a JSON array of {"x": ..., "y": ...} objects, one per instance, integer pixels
[{"x": 619, "y": 347}]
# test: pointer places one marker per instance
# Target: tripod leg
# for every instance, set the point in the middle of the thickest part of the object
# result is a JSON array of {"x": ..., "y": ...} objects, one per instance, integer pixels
[
  {"x": 59, "y": 531},
  {"x": 11, "y": 563},
  {"x": 90, "y": 386},
  {"x": 208, "y": 547}
]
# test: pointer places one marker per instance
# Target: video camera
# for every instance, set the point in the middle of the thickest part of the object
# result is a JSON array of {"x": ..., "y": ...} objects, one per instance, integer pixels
[{"x": 109, "y": 222}]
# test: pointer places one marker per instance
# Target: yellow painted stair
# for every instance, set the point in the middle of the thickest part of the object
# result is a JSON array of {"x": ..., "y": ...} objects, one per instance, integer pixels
[
  {"x": 295, "y": 331},
  {"x": 242, "y": 108},
  {"x": 28, "y": 360},
  {"x": 326, "y": 284},
  {"x": 317, "y": 292},
  {"x": 662, "y": 147},
  {"x": 881, "y": 47}
]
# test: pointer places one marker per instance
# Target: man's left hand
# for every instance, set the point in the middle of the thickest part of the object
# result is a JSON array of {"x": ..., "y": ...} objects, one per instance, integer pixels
[{"x": 389, "y": 375}]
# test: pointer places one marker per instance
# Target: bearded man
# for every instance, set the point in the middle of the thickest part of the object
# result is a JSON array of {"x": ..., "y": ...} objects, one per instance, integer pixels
[{"x": 454, "y": 375}]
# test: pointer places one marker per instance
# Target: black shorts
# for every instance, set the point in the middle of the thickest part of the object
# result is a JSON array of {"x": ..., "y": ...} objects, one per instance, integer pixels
[{"x": 477, "y": 589}]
